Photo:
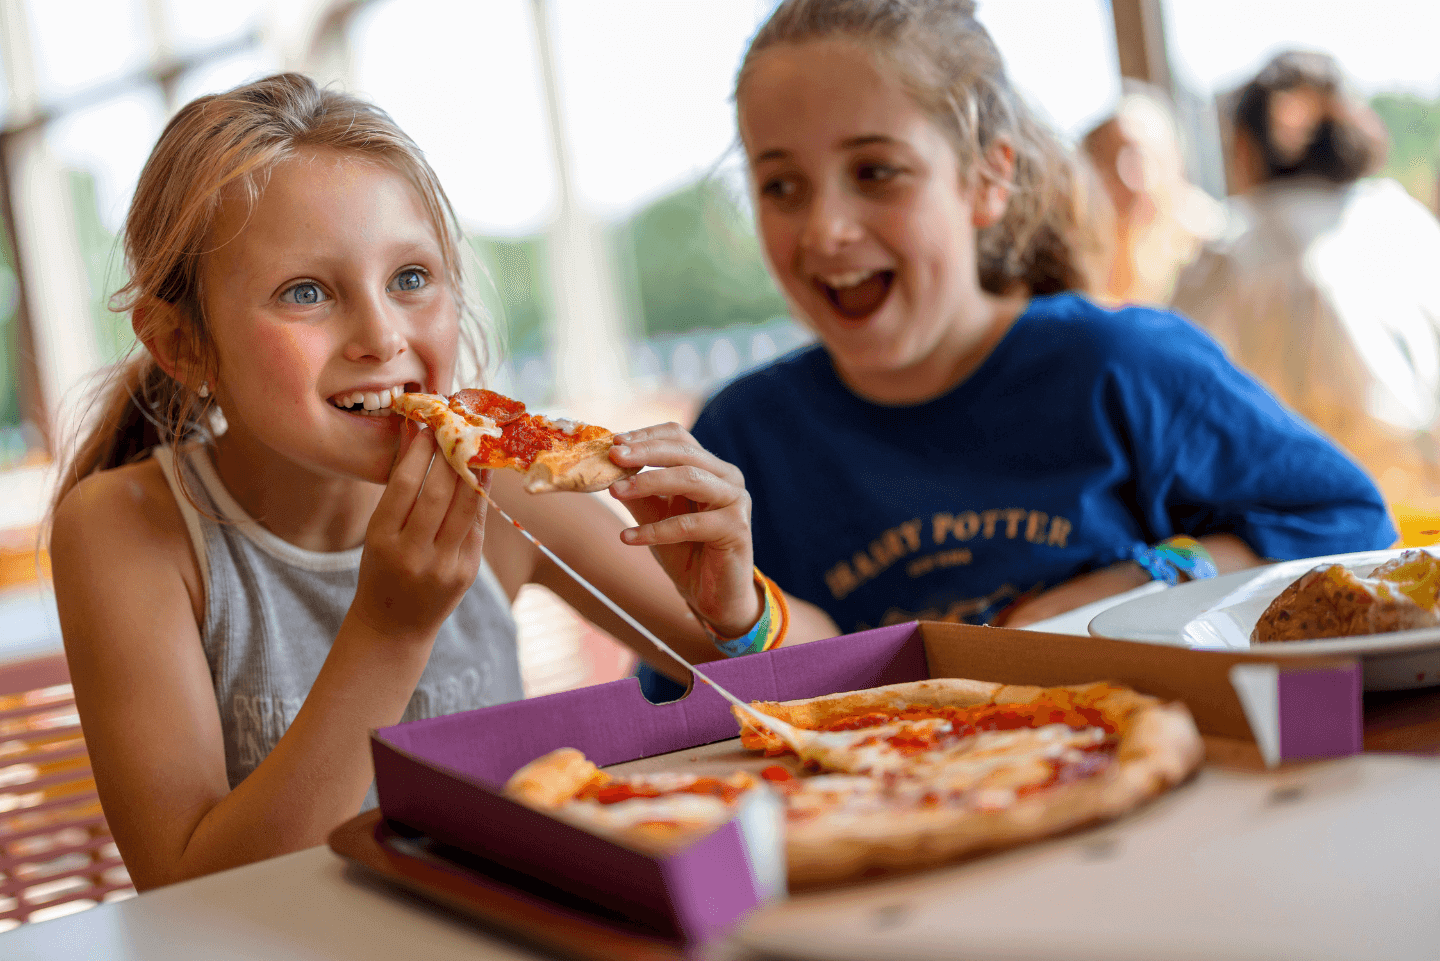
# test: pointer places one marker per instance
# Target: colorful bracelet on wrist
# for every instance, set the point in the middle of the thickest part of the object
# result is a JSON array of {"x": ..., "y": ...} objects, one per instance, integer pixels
[
  {"x": 768, "y": 632},
  {"x": 1176, "y": 556}
]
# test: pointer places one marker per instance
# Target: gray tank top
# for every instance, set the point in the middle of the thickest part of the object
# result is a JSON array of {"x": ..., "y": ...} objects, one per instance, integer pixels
[{"x": 272, "y": 610}]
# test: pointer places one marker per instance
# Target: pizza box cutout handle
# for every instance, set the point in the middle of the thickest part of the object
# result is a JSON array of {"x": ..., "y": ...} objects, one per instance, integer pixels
[{"x": 1301, "y": 713}]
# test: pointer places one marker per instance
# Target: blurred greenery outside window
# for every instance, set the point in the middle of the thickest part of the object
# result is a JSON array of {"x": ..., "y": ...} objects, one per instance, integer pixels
[
  {"x": 696, "y": 263},
  {"x": 104, "y": 269},
  {"x": 686, "y": 263},
  {"x": 514, "y": 292},
  {"x": 1414, "y": 159}
]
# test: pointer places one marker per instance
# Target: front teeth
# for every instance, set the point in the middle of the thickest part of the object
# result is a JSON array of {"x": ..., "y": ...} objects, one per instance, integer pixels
[
  {"x": 851, "y": 279},
  {"x": 374, "y": 403}
]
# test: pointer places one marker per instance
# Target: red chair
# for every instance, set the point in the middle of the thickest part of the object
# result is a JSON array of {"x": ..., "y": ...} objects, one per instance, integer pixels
[{"x": 56, "y": 853}]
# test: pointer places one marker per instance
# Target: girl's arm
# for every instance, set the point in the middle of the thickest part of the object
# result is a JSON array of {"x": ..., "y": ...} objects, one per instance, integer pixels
[
  {"x": 1230, "y": 554},
  {"x": 128, "y": 592},
  {"x": 695, "y": 515}
]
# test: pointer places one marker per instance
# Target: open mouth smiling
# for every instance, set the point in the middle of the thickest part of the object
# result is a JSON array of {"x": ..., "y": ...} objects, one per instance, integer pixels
[
  {"x": 857, "y": 294},
  {"x": 371, "y": 402}
]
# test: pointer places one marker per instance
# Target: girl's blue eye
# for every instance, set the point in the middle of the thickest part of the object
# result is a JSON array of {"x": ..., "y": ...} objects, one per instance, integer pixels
[
  {"x": 779, "y": 188},
  {"x": 305, "y": 294},
  {"x": 411, "y": 278},
  {"x": 875, "y": 173}
]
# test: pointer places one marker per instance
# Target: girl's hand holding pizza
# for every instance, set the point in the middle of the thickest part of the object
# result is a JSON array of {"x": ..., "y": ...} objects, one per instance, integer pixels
[
  {"x": 694, "y": 514},
  {"x": 422, "y": 547}
]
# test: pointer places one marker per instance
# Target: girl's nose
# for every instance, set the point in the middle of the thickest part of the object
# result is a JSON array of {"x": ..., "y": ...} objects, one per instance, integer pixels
[
  {"x": 377, "y": 334},
  {"x": 831, "y": 224}
]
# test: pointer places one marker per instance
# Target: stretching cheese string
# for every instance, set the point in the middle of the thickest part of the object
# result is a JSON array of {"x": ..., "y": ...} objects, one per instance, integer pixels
[{"x": 790, "y": 735}]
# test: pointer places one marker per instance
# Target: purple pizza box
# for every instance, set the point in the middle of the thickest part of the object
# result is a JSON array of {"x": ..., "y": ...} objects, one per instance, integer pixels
[{"x": 443, "y": 776}]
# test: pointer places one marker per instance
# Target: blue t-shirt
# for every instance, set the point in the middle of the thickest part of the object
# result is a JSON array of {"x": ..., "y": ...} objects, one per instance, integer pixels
[{"x": 1085, "y": 433}]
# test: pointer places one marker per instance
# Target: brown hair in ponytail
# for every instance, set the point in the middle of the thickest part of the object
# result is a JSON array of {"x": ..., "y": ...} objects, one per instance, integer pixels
[
  {"x": 953, "y": 70},
  {"x": 215, "y": 142}
]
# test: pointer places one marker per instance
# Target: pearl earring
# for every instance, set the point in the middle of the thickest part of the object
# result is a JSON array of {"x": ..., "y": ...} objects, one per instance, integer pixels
[{"x": 204, "y": 390}]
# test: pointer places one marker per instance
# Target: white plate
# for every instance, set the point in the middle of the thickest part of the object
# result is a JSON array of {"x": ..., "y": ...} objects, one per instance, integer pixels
[{"x": 1220, "y": 613}]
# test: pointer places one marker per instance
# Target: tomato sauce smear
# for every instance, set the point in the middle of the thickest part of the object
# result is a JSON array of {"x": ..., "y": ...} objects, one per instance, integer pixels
[
  {"x": 966, "y": 721},
  {"x": 522, "y": 435},
  {"x": 616, "y": 791}
]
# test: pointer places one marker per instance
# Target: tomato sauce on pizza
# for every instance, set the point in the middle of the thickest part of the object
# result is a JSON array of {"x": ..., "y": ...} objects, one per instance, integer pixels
[{"x": 616, "y": 791}]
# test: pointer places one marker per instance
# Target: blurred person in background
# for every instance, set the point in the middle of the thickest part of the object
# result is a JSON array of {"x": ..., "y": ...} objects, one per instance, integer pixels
[
  {"x": 1160, "y": 219},
  {"x": 1326, "y": 284},
  {"x": 1093, "y": 235}
]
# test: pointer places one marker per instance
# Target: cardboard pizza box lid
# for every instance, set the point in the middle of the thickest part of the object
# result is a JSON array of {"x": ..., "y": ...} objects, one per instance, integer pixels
[
  {"x": 443, "y": 776},
  {"x": 1289, "y": 707}
]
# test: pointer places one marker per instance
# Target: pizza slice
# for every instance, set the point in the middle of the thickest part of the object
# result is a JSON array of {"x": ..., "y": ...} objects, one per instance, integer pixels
[
  {"x": 479, "y": 429},
  {"x": 661, "y": 810}
]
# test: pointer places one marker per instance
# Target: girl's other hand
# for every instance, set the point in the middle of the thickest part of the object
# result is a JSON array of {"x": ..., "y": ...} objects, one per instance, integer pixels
[
  {"x": 694, "y": 515},
  {"x": 423, "y": 545}
]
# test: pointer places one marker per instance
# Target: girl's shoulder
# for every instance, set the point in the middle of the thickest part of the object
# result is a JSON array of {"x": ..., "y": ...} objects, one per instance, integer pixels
[
  {"x": 1082, "y": 314},
  {"x": 134, "y": 492},
  {"x": 1077, "y": 327},
  {"x": 124, "y": 518}
]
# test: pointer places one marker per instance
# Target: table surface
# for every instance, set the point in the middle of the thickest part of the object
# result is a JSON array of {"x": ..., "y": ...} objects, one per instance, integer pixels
[
  {"x": 314, "y": 906},
  {"x": 307, "y": 906}
]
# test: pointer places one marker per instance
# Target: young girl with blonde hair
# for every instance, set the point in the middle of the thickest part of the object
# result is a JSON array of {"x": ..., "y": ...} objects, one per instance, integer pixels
[
  {"x": 970, "y": 440},
  {"x": 241, "y": 607}
]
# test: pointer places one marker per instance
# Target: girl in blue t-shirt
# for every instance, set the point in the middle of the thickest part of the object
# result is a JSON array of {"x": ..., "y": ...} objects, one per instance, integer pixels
[{"x": 968, "y": 441}]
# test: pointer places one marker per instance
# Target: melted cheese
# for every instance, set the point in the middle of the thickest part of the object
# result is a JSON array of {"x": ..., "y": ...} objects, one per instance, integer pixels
[
  {"x": 1001, "y": 760},
  {"x": 559, "y": 423},
  {"x": 697, "y": 810},
  {"x": 458, "y": 438}
]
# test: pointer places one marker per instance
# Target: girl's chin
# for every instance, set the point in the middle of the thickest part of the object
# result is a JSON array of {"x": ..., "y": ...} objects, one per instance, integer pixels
[{"x": 871, "y": 341}]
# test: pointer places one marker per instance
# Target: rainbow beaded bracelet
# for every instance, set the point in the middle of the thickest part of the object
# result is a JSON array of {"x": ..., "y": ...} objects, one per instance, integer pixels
[
  {"x": 1174, "y": 556},
  {"x": 768, "y": 632}
]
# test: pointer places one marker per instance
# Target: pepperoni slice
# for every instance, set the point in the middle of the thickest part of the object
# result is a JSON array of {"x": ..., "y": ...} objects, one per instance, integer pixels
[{"x": 486, "y": 403}]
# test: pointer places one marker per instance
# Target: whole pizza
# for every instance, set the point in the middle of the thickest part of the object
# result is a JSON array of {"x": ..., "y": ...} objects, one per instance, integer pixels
[
  {"x": 901, "y": 777},
  {"x": 479, "y": 429}
]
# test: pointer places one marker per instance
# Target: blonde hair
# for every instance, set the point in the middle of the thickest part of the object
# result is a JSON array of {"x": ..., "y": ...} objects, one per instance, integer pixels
[
  {"x": 228, "y": 140},
  {"x": 955, "y": 74}
]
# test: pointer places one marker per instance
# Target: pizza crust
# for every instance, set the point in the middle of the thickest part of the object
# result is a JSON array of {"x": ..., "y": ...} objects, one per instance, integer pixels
[
  {"x": 585, "y": 468},
  {"x": 552, "y": 779},
  {"x": 655, "y": 825}
]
